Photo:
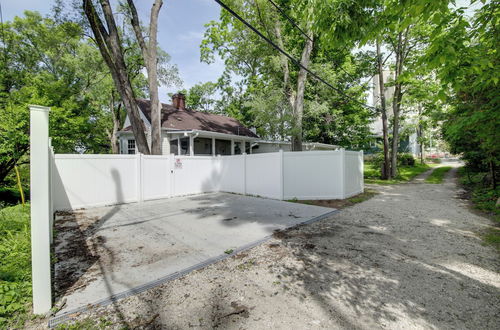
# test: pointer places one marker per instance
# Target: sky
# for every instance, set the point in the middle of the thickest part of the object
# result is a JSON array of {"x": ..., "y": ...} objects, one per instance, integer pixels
[{"x": 180, "y": 31}]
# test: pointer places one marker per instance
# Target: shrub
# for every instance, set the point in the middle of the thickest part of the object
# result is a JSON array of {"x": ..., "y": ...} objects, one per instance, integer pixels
[
  {"x": 15, "y": 266},
  {"x": 406, "y": 159}
]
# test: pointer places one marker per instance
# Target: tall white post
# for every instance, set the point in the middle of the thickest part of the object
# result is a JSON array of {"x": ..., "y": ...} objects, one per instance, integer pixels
[
  {"x": 342, "y": 172},
  {"x": 282, "y": 174},
  {"x": 232, "y": 147},
  {"x": 191, "y": 145},
  {"x": 40, "y": 208},
  {"x": 213, "y": 146}
]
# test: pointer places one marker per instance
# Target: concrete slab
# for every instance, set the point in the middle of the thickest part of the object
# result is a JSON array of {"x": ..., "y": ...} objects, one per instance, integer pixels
[{"x": 133, "y": 244}]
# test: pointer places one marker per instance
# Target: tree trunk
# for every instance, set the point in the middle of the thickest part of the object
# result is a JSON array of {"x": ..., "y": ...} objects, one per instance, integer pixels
[
  {"x": 396, "y": 101},
  {"x": 386, "y": 174},
  {"x": 117, "y": 123},
  {"x": 150, "y": 55},
  {"x": 298, "y": 106},
  {"x": 109, "y": 45}
]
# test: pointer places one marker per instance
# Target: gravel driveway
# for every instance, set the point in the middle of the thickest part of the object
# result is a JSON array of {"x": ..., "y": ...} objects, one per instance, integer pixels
[{"x": 408, "y": 258}]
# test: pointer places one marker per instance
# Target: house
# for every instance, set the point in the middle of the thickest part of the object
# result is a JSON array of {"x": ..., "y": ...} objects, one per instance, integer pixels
[
  {"x": 408, "y": 127},
  {"x": 198, "y": 133},
  {"x": 190, "y": 132}
]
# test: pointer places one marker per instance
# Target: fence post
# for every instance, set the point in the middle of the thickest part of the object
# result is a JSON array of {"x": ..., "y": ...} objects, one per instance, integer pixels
[
  {"x": 282, "y": 175},
  {"x": 171, "y": 161},
  {"x": 40, "y": 208},
  {"x": 139, "y": 177},
  {"x": 342, "y": 172},
  {"x": 362, "y": 160},
  {"x": 244, "y": 173}
]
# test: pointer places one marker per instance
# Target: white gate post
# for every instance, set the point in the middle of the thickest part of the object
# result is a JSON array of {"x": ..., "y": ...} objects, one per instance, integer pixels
[
  {"x": 282, "y": 175},
  {"x": 139, "y": 177},
  {"x": 342, "y": 172},
  {"x": 40, "y": 209}
]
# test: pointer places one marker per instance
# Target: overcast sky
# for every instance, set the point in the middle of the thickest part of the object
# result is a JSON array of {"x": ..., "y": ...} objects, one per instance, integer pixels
[{"x": 180, "y": 31}]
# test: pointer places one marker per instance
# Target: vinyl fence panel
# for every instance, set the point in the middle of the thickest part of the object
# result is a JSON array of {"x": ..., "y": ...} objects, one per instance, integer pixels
[
  {"x": 353, "y": 174},
  {"x": 313, "y": 175},
  {"x": 94, "y": 180},
  {"x": 264, "y": 175}
]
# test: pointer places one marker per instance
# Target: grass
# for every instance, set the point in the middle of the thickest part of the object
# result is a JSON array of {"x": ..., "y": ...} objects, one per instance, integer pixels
[
  {"x": 339, "y": 203},
  {"x": 438, "y": 174},
  {"x": 483, "y": 198},
  {"x": 406, "y": 173},
  {"x": 15, "y": 265}
]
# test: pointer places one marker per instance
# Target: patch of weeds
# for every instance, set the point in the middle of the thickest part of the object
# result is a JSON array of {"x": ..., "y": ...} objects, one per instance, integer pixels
[
  {"x": 492, "y": 237},
  {"x": 246, "y": 265},
  {"x": 15, "y": 266},
  {"x": 437, "y": 176},
  {"x": 86, "y": 324},
  {"x": 364, "y": 196},
  {"x": 229, "y": 251},
  {"x": 483, "y": 198}
]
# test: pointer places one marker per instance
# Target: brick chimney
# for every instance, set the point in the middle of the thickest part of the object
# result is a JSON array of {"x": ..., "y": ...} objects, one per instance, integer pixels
[{"x": 179, "y": 101}]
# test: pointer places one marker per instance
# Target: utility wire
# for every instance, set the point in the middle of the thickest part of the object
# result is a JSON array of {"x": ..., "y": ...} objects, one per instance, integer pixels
[
  {"x": 282, "y": 12},
  {"x": 223, "y": 5}
]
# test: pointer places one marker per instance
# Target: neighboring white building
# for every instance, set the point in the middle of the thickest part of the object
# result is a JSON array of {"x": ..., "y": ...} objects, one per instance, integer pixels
[
  {"x": 198, "y": 133},
  {"x": 411, "y": 145}
]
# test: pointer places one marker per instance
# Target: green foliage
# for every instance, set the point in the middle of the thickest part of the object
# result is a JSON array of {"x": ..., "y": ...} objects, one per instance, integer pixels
[
  {"x": 406, "y": 159},
  {"x": 465, "y": 56},
  {"x": 15, "y": 265},
  {"x": 483, "y": 196},
  {"x": 264, "y": 95},
  {"x": 438, "y": 174}
]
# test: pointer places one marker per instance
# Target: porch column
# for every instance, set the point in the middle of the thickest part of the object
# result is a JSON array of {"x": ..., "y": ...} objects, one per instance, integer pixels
[
  {"x": 243, "y": 147},
  {"x": 232, "y": 147},
  {"x": 191, "y": 145},
  {"x": 179, "y": 151},
  {"x": 251, "y": 147},
  {"x": 213, "y": 146}
]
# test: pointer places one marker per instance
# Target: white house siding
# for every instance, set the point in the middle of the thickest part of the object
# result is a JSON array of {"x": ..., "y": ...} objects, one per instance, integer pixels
[{"x": 165, "y": 144}]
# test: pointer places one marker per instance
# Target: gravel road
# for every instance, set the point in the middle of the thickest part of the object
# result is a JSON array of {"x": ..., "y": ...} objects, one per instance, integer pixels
[{"x": 410, "y": 257}]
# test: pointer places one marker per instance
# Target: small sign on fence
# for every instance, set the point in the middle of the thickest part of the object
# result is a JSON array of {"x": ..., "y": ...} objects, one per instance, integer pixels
[{"x": 178, "y": 164}]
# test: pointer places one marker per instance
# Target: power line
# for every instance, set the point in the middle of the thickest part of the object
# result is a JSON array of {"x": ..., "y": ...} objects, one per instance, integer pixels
[
  {"x": 223, "y": 5},
  {"x": 282, "y": 12}
]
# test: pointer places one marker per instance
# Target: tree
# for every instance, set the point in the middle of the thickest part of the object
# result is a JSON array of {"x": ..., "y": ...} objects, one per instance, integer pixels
[
  {"x": 386, "y": 173},
  {"x": 464, "y": 53},
  {"x": 261, "y": 66},
  {"x": 201, "y": 97},
  {"x": 108, "y": 40},
  {"x": 47, "y": 63},
  {"x": 150, "y": 55}
]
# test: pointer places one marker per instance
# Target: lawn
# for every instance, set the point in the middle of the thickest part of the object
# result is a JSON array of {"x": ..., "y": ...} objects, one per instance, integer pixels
[
  {"x": 438, "y": 174},
  {"x": 406, "y": 173},
  {"x": 15, "y": 265}
]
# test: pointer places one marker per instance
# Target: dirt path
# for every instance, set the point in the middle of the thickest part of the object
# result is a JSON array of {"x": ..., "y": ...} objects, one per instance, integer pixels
[{"x": 408, "y": 258}]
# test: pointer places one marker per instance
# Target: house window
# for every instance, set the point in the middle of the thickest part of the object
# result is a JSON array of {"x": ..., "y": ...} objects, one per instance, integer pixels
[{"x": 131, "y": 147}]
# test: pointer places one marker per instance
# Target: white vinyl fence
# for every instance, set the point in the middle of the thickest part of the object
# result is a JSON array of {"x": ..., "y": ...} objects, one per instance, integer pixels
[
  {"x": 81, "y": 181},
  {"x": 65, "y": 182}
]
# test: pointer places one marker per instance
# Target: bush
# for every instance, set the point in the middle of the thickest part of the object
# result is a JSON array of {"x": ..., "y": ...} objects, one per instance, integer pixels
[
  {"x": 406, "y": 159},
  {"x": 403, "y": 159},
  {"x": 15, "y": 268},
  {"x": 11, "y": 196}
]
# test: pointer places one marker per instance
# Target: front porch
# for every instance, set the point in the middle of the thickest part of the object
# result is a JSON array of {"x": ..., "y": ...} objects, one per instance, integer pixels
[{"x": 204, "y": 143}]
